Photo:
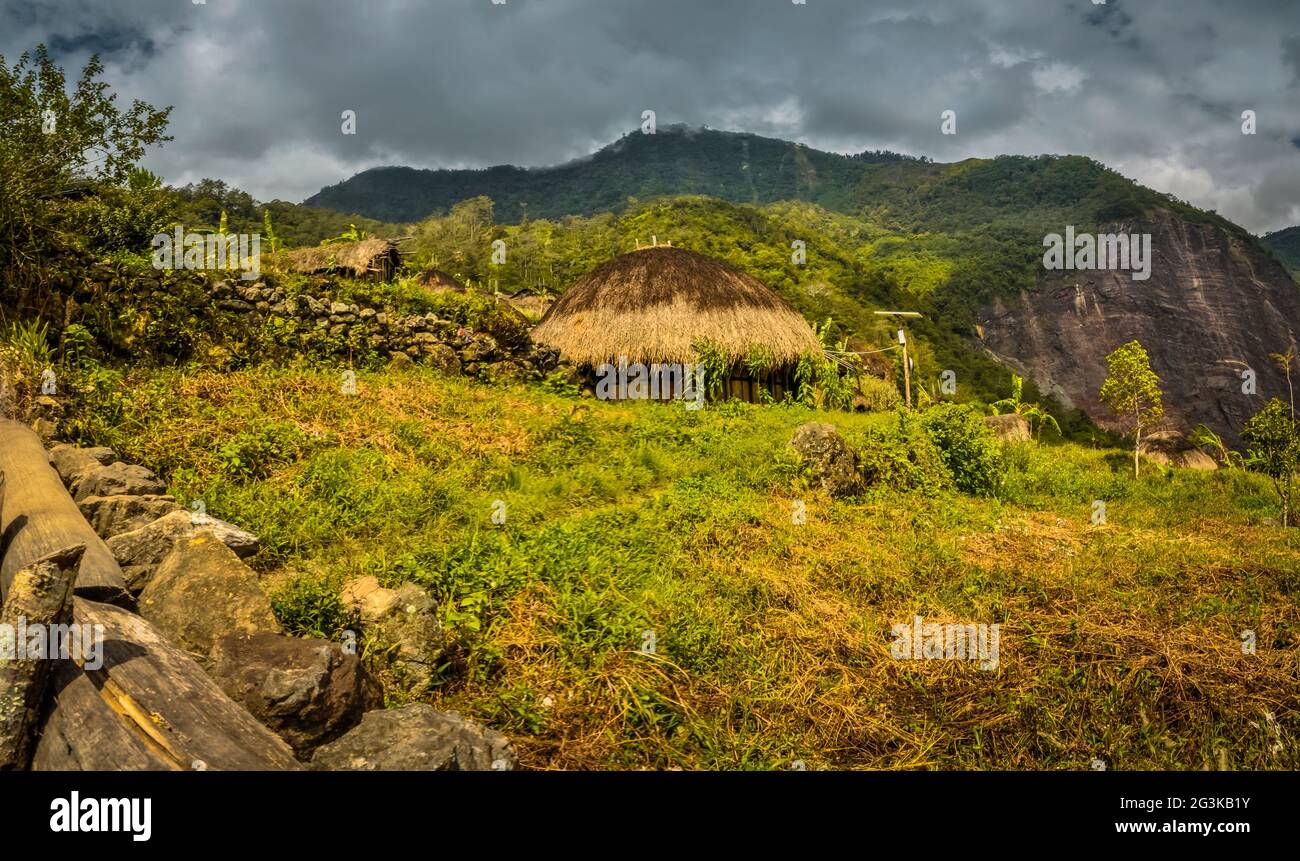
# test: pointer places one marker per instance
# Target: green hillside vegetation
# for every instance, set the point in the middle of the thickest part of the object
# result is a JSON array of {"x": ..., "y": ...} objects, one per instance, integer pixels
[
  {"x": 1285, "y": 245},
  {"x": 898, "y": 191},
  {"x": 1118, "y": 642},
  {"x": 769, "y": 603},
  {"x": 200, "y": 205}
]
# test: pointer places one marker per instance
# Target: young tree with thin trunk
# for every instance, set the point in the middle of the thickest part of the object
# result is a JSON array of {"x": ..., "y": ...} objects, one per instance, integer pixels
[
  {"x": 1132, "y": 391},
  {"x": 1273, "y": 447}
]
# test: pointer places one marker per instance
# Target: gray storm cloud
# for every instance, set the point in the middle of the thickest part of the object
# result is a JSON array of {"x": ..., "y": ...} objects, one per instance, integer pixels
[{"x": 1154, "y": 89}]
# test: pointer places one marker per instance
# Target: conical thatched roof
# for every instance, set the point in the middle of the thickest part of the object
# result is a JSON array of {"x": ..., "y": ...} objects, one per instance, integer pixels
[{"x": 656, "y": 304}]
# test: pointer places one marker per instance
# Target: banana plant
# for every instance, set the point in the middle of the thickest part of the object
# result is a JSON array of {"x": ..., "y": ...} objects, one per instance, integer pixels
[{"x": 1032, "y": 413}]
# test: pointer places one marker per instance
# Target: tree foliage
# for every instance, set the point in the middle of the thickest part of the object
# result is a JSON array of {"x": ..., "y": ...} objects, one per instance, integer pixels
[
  {"x": 1272, "y": 440},
  {"x": 1132, "y": 391},
  {"x": 64, "y": 151}
]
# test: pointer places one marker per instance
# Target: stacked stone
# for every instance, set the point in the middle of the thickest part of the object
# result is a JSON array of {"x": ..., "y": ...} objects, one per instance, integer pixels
[{"x": 424, "y": 338}]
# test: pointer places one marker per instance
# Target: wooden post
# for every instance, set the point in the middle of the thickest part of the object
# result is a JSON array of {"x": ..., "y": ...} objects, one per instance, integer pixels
[
  {"x": 40, "y": 594},
  {"x": 907, "y": 369},
  {"x": 38, "y": 517}
]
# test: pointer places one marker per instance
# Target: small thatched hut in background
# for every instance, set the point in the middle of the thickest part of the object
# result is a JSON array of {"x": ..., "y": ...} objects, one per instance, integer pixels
[
  {"x": 656, "y": 305},
  {"x": 526, "y": 302},
  {"x": 374, "y": 259},
  {"x": 440, "y": 282},
  {"x": 531, "y": 304}
]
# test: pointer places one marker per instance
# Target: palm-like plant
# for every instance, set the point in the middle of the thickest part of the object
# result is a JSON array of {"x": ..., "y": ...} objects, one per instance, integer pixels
[
  {"x": 1032, "y": 413},
  {"x": 1205, "y": 438},
  {"x": 352, "y": 234},
  {"x": 1012, "y": 404}
]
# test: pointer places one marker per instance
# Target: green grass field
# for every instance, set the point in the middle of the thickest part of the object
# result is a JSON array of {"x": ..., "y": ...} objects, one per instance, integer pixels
[{"x": 1120, "y": 641}]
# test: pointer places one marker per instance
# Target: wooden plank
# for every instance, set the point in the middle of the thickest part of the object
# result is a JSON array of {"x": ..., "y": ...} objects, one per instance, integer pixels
[
  {"x": 148, "y": 707},
  {"x": 38, "y": 517},
  {"x": 40, "y": 594}
]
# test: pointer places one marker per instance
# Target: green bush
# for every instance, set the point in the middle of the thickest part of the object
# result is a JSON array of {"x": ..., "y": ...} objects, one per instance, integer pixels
[
  {"x": 903, "y": 459},
  {"x": 252, "y": 454},
  {"x": 968, "y": 447},
  {"x": 880, "y": 396}
]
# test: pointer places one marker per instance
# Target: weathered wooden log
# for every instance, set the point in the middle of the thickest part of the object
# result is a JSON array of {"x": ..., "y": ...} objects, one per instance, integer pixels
[
  {"x": 38, "y": 517},
  {"x": 143, "y": 704},
  {"x": 39, "y": 595}
]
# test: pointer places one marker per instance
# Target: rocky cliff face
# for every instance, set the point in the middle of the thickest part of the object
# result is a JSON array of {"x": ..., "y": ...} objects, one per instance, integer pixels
[{"x": 1215, "y": 305}]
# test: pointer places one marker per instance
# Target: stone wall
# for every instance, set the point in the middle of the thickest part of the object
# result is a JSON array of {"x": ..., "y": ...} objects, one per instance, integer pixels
[{"x": 425, "y": 338}]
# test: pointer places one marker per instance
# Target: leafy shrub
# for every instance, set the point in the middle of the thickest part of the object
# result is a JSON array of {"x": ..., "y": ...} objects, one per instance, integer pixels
[
  {"x": 904, "y": 459},
  {"x": 820, "y": 384},
  {"x": 879, "y": 396},
  {"x": 558, "y": 383},
  {"x": 252, "y": 454},
  {"x": 968, "y": 447}
]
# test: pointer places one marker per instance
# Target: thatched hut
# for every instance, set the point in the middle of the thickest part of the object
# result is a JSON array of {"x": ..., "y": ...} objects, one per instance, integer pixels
[
  {"x": 660, "y": 304},
  {"x": 374, "y": 259},
  {"x": 440, "y": 282},
  {"x": 530, "y": 304}
]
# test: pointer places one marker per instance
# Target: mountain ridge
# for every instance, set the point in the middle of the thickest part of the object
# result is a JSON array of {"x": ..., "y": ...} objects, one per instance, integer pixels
[{"x": 742, "y": 167}]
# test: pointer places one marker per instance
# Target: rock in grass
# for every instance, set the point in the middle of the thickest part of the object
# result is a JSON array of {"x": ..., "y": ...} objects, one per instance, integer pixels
[
  {"x": 442, "y": 357},
  {"x": 1171, "y": 448},
  {"x": 1009, "y": 427},
  {"x": 309, "y": 692},
  {"x": 403, "y": 620},
  {"x": 114, "y": 515},
  {"x": 829, "y": 461},
  {"x": 70, "y": 461},
  {"x": 201, "y": 592},
  {"x": 141, "y": 550},
  {"x": 416, "y": 738},
  {"x": 117, "y": 479}
]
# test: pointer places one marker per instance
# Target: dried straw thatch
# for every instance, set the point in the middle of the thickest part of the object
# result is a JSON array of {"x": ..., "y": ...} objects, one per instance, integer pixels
[
  {"x": 440, "y": 282},
  {"x": 530, "y": 304},
  {"x": 367, "y": 258},
  {"x": 657, "y": 304}
]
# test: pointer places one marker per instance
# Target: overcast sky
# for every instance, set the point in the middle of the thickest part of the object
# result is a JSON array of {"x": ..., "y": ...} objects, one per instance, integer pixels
[{"x": 1154, "y": 89}]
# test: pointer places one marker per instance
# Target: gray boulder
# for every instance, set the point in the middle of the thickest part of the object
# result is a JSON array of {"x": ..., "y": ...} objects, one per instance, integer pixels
[
  {"x": 308, "y": 691},
  {"x": 1009, "y": 427},
  {"x": 141, "y": 550},
  {"x": 201, "y": 592},
  {"x": 402, "y": 622},
  {"x": 117, "y": 479},
  {"x": 1172, "y": 448},
  {"x": 443, "y": 358},
  {"x": 481, "y": 348},
  {"x": 827, "y": 459},
  {"x": 70, "y": 461},
  {"x": 113, "y": 515},
  {"x": 416, "y": 738}
]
